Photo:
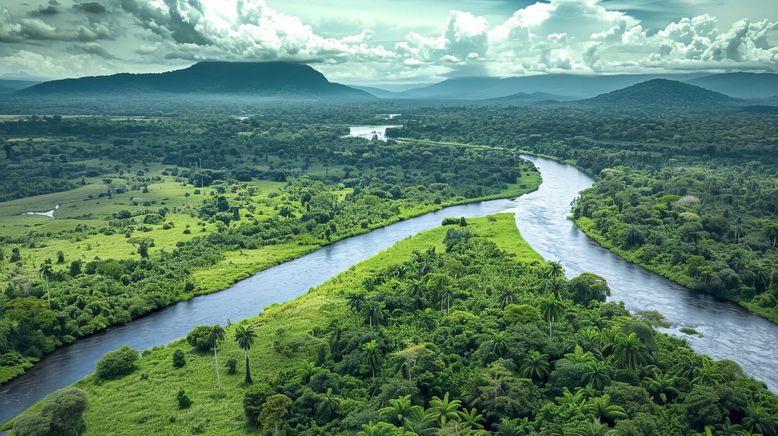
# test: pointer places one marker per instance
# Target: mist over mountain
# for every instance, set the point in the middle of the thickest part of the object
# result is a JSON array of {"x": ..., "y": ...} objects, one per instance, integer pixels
[
  {"x": 10, "y": 86},
  {"x": 262, "y": 79}
]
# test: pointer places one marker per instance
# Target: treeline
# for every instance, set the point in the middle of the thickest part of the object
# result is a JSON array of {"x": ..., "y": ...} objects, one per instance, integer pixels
[
  {"x": 472, "y": 340},
  {"x": 368, "y": 185}
]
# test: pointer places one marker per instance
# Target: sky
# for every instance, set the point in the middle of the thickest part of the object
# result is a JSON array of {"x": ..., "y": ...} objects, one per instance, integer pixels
[{"x": 389, "y": 41}]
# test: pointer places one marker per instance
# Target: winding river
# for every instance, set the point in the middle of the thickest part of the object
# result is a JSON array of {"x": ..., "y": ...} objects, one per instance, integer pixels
[{"x": 729, "y": 332}]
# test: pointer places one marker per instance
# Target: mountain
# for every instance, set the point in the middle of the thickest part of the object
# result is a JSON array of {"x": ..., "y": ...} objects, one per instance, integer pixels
[
  {"x": 378, "y": 92},
  {"x": 264, "y": 79},
  {"x": 662, "y": 93},
  {"x": 10, "y": 86},
  {"x": 573, "y": 85},
  {"x": 742, "y": 85},
  {"x": 524, "y": 98}
]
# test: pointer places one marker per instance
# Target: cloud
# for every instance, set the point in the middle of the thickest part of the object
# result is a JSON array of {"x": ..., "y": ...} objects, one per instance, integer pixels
[{"x": 578, "y": 36}]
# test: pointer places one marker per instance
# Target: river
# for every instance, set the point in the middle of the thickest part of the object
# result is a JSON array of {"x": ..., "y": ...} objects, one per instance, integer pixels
[{"x": 729, "y": 332}]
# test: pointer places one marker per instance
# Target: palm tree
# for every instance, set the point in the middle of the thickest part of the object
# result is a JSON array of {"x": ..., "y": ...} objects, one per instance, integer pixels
[
  {"x": 416, "y": 292},
  {"x": 472, "y": 419},
  {"x": 506, "y": 297},
  {"x": 580, "y": 356},
  {"x": 441, "y": 409},
  {"x": 329, "y": 404},
  {"x": 514, "y": 427},
  {"x": 397, "y": 411},
  {"x": 593, "y": 428},
  {"x": 555, "y": 269},
  {"x": 708, "y": 373},
  {"x": 372, "y": 356},
  {"x": 574, "y": 402},
  {"x": 601, "y": 408},
  {"x": 661, "y": 387},
  {"x": 760, "y": 422},
  {"x": 375, "y": 312},
  {"x": 629, "y": 351},
  {"x": 46, "y": 274},
  {"x": 420, "y": 422},
  {"x": 356, "y": 302},
  {"x": 215, "y": 337},
  {"x": 596, "y": 374},
  {"x": 535, "y": 366},
  {"x": 499, "y": 343},
  {"x": 245, "y": 337},
  {"x": 551, "y": 309}
]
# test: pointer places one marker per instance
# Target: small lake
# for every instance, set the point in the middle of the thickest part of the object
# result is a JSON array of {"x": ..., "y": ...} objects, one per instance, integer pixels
[{"x": 370, "y": 132}]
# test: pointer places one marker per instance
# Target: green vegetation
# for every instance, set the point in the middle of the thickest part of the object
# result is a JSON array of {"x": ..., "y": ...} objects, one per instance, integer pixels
[
  {"x": 445, "y": 330},
  {"x": 162, "y": 210},
  {"x": 690, "y": 196}
]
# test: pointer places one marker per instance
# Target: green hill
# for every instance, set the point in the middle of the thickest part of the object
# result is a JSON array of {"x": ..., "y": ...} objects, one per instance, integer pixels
[
  {"x": 252, "y": 78},
  {"x": 662, "y": 93}
]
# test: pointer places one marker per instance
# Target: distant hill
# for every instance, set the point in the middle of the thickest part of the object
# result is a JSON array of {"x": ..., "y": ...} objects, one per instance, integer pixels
[
  {"x": 524, "y": 98},
  {"x": 9, "y": 86},
  {"x": 662, "y": 93},
  {"x": 742, "y": 85},
  {"x": 378, "y": 92},
  {"x": 577, "y": 86},
  {"x": 271, "y": 79}
]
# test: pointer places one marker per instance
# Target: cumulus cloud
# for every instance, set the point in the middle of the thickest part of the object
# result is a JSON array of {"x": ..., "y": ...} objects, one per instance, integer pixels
[{"x": 581, "y": 36}]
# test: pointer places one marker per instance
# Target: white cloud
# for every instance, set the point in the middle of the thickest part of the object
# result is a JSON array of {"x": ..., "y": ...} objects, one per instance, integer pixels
[{"x": 560, "y": 35}]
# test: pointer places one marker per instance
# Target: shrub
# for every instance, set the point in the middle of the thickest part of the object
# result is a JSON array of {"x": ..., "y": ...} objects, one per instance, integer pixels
[
  {"x": 232, "y": 365},
  {"x": 198, "y": 338},
  {"x": 117, "y": 363},
  {"x": 61, "y": 414},
  {"x": 178, "y": 359},
  {"x": 183, "y": 399}
]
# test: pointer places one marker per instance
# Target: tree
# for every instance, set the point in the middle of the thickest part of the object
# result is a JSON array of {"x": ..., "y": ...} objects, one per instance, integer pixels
[
  {"x": 375, "y": 312},
  {"x": 551, "y": 309},
  {"x": 183, "y": 399},
  {"x": 61, "y": 414},
  {"x": 117, "y": 363},
  {"x": 499, "y": 343},
  {"x": 215, "y": 337},
  {"x": 597, "y": 374},
  {"x": 274, "y": 410},
  {"x": 629, "y": 351},
  {"x": 535, "y": 366},
  {"x": 357, "y": 303},
  {"x": 179, "y": 360},
  {"x": 245, "y": 337},
  {"x": 758, "y": 421},
  {"x": 588, "y": 287},
  {"x": 471, "y": 418},
  {"x": 601, "y": 408},
  {"x": 329, "y": 404},
  {"x": 398, "y": 410},
  {"x": 443, "y": 409},
  {"x": 372, "y": 356}
]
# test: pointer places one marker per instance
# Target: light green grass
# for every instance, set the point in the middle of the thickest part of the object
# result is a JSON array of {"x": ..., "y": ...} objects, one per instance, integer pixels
[{"x": 133, "y": 405}]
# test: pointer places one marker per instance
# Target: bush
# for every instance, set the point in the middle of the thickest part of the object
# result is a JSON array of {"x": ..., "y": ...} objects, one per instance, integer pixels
[
  {"x": 183, "y": 399},
  {"x": 61, "y": 414},
  {"x": 232, "y": 365},
  {"x": 179, "y": 360},
  {"x": 117, "y": 363},
  {"x": 198, "y": 338}
]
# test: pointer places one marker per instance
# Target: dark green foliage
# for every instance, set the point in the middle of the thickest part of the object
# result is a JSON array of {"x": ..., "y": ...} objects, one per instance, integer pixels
[
  {"x": 117, "y": 363},
  {"x": 199, "y": 338},
  {"x": 183, "y": 399},
  {"x": 588, "y": 287},
  {"x": 61, "y": 414},
  {"x": 232, "y": 365},
  {"x": 179, "y": 360}
]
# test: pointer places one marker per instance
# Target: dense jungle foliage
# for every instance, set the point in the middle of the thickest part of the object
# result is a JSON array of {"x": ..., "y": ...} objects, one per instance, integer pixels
[
  {"x": 693, "y": 197},
  {"x": 160, "y": 201}
]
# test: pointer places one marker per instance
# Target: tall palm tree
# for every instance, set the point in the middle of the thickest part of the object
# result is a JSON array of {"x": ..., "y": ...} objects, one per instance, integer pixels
[
  {"x": 514, "y": 427},
  {"x": 245, "y": 337},
  {"x": 443, "y": 409},
  {"x": 580, "y": 356},
  {"x": 356, "y": 302},
  {"x": 629, "y": 351},
  {"x": 372, "y": 356},
  {"x": 398, "y": 410},
  {"x": 661, "y": 387},
  {"x": 375, "y": 312},
  {"x": 758, "y": 421},
  {"x": 555, "y": 269},
  {"x": 551, "y": 309},
  {"x": 506, "y": 297},
  {"x": 215, "y": 337},
  {"x": 535, "y": 366},
  {"x": 593, "y": 428}
]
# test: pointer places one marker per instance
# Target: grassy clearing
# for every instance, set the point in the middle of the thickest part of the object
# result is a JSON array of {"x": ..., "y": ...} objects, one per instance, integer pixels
[{"x": 144, "y": 402}]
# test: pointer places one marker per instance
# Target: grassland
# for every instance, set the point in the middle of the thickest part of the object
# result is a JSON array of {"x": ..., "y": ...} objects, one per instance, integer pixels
[{"x": 144, "y": 402}]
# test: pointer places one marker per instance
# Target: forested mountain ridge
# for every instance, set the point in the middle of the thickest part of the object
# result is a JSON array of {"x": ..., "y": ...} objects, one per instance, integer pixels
[
  {"x": 662, "y": 93},
  {"x": 257, "y": 78}
]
